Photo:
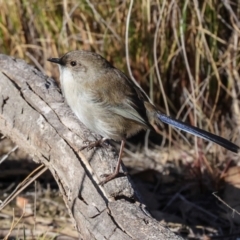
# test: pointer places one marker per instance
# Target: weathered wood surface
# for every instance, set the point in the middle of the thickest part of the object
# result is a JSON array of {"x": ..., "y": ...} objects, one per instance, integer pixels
[{"x": 34, "y": 115}]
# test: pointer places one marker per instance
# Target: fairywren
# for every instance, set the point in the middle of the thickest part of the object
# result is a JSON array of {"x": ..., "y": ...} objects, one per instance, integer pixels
[{"x": 111, "y": 104}]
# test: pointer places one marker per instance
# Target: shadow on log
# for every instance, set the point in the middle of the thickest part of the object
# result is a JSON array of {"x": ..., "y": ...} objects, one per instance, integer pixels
[{"x": 34, "y": 115}]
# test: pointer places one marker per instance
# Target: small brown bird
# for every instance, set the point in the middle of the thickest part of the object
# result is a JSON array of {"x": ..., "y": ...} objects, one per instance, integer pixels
[{"x": 113, "y": 105}]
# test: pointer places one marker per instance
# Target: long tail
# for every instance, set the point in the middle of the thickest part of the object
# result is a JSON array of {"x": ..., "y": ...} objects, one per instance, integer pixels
[{"x": 198, "y": 132}]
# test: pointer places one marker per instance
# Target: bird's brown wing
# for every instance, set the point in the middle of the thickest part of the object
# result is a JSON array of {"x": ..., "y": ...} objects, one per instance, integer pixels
[{"x": 122, "y": 96}]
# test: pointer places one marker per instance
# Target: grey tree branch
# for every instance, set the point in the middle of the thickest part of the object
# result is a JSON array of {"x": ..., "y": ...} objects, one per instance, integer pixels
[{"x": 34, "y": 115}]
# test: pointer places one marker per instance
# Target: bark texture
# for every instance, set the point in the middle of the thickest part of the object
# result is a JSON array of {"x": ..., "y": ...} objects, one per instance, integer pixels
[{"x": 34, "y": 115}]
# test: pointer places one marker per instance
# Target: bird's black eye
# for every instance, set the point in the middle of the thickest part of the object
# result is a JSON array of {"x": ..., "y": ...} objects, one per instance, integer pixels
[{"x": 73, "y": 63}]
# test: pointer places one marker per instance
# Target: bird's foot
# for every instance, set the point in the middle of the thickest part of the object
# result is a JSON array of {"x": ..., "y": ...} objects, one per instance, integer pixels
[
  {"x": 111, "y": 176},
  {"x": 92, "y": 144}
]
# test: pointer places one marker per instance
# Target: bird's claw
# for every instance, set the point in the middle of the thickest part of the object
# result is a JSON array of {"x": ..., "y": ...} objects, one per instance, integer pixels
[
  {"x": 108, "y": 177},
  {"x": 92, "y": 144}
]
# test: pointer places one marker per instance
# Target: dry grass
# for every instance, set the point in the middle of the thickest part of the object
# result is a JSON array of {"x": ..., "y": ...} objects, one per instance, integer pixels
[{"x": 185, "y": 54}]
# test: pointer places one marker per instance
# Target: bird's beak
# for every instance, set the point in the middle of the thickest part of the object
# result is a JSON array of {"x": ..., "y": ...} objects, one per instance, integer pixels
[{"x": 55, "y": 60}]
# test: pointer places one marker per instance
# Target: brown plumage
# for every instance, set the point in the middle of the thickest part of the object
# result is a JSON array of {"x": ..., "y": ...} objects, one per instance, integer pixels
[{"x": 113, "y": 105}]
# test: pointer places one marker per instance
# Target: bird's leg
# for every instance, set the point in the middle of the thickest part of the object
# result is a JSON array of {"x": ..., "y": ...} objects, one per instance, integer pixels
[
  {"x": 92, "y": 144},
  {"x": 111, "y": 176}
]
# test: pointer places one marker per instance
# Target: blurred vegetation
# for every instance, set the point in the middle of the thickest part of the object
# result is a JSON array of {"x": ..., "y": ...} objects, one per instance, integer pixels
[{"x": 185, "y": 54}]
